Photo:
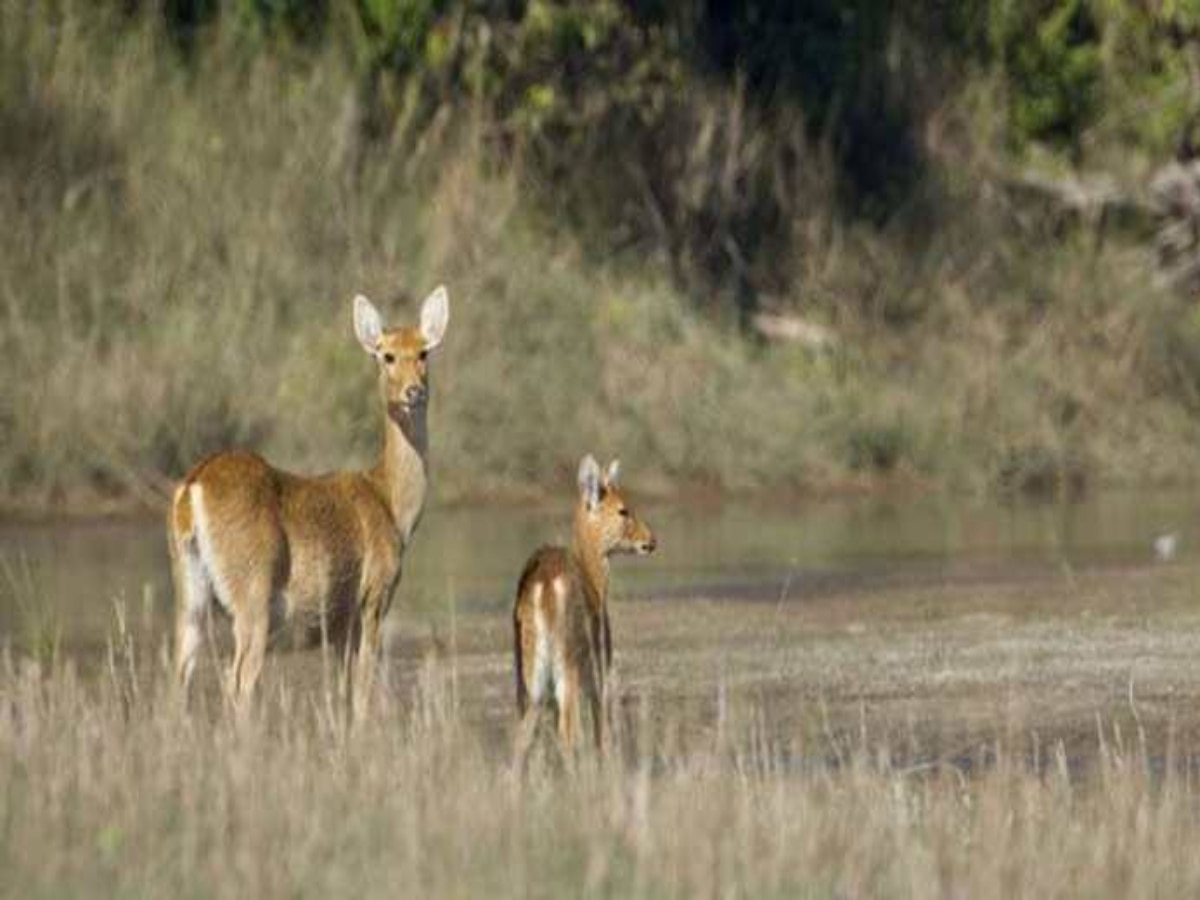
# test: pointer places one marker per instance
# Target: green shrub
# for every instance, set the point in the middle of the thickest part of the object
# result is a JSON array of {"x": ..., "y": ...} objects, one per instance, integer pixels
[{"x": 1051, "y": 54}]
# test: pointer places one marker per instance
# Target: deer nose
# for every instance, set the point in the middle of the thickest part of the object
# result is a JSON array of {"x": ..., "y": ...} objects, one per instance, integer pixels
[
  {"x": 414, "y": 394},
  {"x": 651, "y": 545}
]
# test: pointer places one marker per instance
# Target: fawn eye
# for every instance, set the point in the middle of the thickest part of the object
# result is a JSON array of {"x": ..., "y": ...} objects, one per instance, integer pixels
[
  {"x": 389, "y": 358},
  {"x": 623, "y": 513},
  {"x": 423, "y": 355}
]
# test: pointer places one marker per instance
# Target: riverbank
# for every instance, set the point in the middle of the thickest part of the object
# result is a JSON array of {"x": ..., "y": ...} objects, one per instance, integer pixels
[{"x": 179, "y": 272}]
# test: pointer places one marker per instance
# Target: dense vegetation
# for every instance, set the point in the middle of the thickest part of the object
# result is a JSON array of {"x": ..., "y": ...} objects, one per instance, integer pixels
[{"x": 616, "y": 192}]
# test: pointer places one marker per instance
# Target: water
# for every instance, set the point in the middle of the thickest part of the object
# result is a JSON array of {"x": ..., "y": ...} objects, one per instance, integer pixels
[{"x": 469, "y": 558}]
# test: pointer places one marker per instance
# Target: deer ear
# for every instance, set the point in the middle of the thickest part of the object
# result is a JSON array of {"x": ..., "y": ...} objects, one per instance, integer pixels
[
  {"x": 589, "y": 481},
  {"x": 368, "y": 325},
  {"x": 610, "y": 476},
  {"x": 435, "y": 315}
]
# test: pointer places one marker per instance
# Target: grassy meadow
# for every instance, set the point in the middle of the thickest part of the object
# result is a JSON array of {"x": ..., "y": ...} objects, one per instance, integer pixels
[
  {"x": 185, "y": 234},
  {"x": 981, "y": 737}
]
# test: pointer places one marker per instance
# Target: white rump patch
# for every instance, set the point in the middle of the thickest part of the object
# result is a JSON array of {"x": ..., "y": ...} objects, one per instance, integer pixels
[
  {"x": 542, "y": 650},
  {"x": 197, "y": 591},
  {"x": 207, "y": 555}
]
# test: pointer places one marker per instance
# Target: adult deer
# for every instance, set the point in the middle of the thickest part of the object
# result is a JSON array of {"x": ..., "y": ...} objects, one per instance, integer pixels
[
  {"x": 562, "y": 639},
  {"x": 269, "y": 547}
]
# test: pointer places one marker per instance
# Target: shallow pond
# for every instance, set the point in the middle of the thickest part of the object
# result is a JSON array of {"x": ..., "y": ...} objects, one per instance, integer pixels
[{"x": 467, "y": 559}]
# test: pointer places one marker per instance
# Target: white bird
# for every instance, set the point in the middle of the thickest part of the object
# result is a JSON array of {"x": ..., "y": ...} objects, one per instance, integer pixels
[{"x": 1165, "y": 546}]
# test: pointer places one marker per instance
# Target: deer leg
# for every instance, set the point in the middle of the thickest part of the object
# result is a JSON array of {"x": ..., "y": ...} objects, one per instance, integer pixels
[
  {"x": 241, "y": 643},
  {"x": 369, "y": 651},
  {"x": 251, "y": 628},
  {"x": 596, "y": 701},
  {"x": 568, "y": 714},
  {"x": 250, "y": 635},
  {"x": 193, "y": 596},
  {"x": 526, "y": 732},
  {"x": 600, "y": 656}
]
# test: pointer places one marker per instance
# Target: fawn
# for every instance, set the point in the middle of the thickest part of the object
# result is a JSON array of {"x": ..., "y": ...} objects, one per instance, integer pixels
[
  {"x": 562, "y": 638},
  {"x": 268, "y": 547}
]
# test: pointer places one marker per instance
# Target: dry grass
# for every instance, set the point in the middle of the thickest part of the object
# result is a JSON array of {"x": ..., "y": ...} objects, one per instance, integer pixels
[
  {"x": 970, "y": 738},
  {"x": 110, "y": 792}
]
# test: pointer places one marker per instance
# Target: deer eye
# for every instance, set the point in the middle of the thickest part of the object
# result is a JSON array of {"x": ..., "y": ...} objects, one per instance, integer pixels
[
  {"x": 623, "y": 513},
  {"x": 389, "y": 358},
  {"x": 423, "y": 355}
]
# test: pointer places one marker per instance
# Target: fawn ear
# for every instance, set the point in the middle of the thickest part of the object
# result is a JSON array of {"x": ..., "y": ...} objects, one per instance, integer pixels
[
  {"x": 368, "y": 325},
  {"x": 610, "y": 475},
  {"x": 589, "y": 481},
  {"x": 435, "y": 315}
]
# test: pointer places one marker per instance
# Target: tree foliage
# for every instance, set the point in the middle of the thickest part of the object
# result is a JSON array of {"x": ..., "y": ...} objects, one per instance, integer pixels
[{"x": 704, "y": 130}]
